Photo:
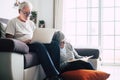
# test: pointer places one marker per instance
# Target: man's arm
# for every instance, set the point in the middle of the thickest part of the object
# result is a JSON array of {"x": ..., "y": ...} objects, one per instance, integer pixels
[{"x": 11, "y": 36}]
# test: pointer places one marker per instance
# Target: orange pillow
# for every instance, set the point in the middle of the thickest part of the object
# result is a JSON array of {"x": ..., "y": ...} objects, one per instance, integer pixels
[{"x": 85, "y": 75}]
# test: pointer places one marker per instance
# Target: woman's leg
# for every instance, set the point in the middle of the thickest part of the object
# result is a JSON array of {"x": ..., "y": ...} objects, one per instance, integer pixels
[
  {"x": 44, "y": 58},
  {"x": 79, "y": 64}
]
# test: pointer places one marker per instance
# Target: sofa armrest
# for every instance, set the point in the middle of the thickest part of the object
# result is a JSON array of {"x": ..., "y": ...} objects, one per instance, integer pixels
[
  {"x": 12, "y": 45},
  {"x": 12, "y": 66},
  {"x": 88, "y": 52}
]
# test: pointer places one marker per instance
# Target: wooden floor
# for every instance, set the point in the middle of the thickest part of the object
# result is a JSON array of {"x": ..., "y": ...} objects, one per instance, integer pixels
[{"x": 114, "y": 72}]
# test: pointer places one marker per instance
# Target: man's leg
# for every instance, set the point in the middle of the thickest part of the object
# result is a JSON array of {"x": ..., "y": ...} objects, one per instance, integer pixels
[{"x": 44, "y": 58}]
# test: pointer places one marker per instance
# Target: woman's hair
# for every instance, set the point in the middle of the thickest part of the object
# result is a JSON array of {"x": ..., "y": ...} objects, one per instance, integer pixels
[
  {"x": 25, "y": 3},
  {"x": 58, "y": 36}
]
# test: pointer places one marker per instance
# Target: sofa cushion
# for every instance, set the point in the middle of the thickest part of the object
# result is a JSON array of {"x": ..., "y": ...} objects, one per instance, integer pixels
[
  {"x": 85, "y": 75},
  {"x": 12, "y": 45},
  {"x": 2, "y": 30},
  {"x": 31, "y": 59}
]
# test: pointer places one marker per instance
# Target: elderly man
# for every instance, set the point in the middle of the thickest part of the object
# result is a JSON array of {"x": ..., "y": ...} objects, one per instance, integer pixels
[{"x": 21, "y": 28}]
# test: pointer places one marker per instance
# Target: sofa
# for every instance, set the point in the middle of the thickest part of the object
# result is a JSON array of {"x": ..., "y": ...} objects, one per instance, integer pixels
[
  {"x": 17, "y": 63},
  {"x": 20, "y": 64},
  {"x": 95, "y": 60},
  {"x": 12, "y": 51}
]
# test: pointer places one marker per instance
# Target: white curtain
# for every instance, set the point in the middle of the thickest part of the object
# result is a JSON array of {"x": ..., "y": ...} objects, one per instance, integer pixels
[{"x": 58, "y": 14}]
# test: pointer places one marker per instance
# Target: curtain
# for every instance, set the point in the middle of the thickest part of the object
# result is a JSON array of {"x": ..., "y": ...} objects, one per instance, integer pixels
[{"x": 58, "y": 14}]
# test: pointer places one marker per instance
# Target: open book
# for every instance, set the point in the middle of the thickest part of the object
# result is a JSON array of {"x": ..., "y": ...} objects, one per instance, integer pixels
[{"x": 84, "y": 58}]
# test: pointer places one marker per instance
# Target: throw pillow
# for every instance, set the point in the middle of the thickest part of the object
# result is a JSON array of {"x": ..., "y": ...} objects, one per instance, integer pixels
[
  {"x": 2, "y": 29},
  {"x": 85, "y": 75}
]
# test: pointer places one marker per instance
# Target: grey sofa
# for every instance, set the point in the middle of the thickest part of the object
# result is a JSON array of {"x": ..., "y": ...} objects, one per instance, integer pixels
[
  {"x": 95, "y": 60},
  {"x": 20, "y": 64},
  {"x": 17, "y": 63}
]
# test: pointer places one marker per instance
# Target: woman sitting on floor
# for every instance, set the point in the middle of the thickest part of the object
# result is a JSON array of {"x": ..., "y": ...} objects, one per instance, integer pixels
[{"x": 69, "y": 58}]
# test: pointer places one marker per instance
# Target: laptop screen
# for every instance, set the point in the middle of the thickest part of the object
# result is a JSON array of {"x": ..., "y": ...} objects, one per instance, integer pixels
[{"x": 43, "y": 35}]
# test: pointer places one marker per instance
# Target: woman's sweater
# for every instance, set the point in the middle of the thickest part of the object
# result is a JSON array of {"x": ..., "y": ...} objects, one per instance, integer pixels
[{"x": 68, "y": 53}]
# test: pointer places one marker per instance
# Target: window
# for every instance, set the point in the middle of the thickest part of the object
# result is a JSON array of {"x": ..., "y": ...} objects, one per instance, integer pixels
[
  {"x": 94, "y": 23},
  {"x": 81, "y": 22}
]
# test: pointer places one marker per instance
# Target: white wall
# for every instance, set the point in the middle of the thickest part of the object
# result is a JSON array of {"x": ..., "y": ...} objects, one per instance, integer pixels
[
  {"x": 7, "y": 9},
  {"x": 44, "y": 9}
]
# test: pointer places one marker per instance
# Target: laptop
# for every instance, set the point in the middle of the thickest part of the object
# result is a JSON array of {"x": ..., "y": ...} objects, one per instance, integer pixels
[{"x": 43, "y": 35}]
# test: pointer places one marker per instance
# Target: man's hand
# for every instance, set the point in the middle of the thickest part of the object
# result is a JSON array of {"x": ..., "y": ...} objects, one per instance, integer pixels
[
  {"x": 9, "y": 35},
  {"x": 27, "y": 41}
]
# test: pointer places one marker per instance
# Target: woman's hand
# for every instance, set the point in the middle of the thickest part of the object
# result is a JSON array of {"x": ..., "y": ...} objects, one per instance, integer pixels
[{"x": 86, "y": 58}]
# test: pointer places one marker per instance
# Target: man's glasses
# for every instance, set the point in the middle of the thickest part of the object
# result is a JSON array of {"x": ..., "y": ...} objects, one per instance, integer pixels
[{"x": 26, "y": 13}]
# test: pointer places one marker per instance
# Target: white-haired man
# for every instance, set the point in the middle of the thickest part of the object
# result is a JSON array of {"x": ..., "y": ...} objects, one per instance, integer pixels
[{"x": 21, "y": 28}]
